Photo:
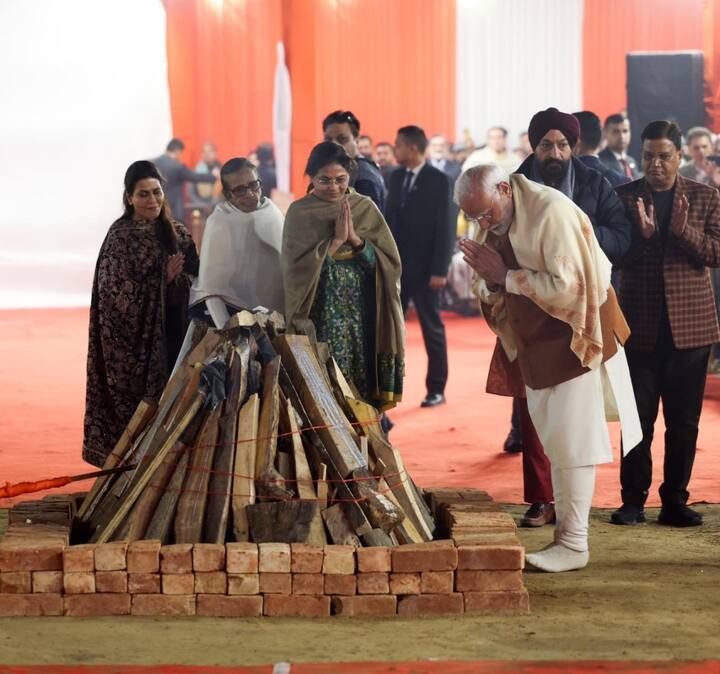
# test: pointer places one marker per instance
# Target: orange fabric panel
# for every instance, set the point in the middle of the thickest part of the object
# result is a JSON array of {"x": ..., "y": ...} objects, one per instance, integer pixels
[
  {"x": 711, "y": 47},
  {"x": 391, "y": 63},
  {"x": 612, "y": 28},
  {"x": 221, "y": 66}
]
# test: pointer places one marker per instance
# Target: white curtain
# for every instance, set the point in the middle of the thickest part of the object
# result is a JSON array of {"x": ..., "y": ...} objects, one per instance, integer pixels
[
  {"x": 282, "y": 121},
  {"x": 84, "y": 94},
  {"x": 515, "y": 57}
]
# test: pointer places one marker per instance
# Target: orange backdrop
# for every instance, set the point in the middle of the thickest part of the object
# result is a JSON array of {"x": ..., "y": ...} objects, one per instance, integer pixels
[
  {"x": 711, "y": 41},
  {"x": 612, "y": 28},
  {"x": 391, "y": 63}
]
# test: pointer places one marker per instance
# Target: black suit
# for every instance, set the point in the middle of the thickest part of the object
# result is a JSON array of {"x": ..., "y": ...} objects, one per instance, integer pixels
[
  {"x": 425, "y": 235},
  {"x": 608, "y": 158}
]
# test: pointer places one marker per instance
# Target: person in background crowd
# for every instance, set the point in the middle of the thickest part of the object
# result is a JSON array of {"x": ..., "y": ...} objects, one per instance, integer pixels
[
  {"x": 385, "y": 154},
  {"x": 176, "y": 174},
  {"x": 524, "y": 149},
  {"x": 666, "y": 295},
  {"x": 438, "y": 154},
  {"x": 341, "y": 268},
  {"x": 343, "y": 128},
  {"x": 495, "y": 151},
  {"x": 617, "y": 141},
  {"x": 545, "y": 287},
  {"x": 699, "y": 145},
  {"x": 553, "y": 135},
  {"x": 209, "y": 163},
  {"x": 587, "y": 146},
  {"x": 419, "y": 213},
  {"x": 365, "y": 147},
  {"x": 138, "y": 311},
  {"x": 266, "y": 167},
  {"x": 240, "y": 252}
]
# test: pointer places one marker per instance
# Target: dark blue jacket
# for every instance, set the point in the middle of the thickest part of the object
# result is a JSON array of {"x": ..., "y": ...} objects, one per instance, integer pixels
[
  {"x": 615, "y": 178},
  {"x": 596, "y": 197},
  {"x": 369, "y": 181}
]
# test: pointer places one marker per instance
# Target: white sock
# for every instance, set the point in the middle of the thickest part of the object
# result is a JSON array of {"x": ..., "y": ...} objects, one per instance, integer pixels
[{"x": 558, "y": 558}]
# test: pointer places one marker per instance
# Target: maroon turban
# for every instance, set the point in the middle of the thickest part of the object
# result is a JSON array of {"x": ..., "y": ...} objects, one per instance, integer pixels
[{"x": 549, "y": 119}]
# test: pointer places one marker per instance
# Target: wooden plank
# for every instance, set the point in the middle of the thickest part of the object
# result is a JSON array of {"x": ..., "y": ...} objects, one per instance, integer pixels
[
  {"x": 281, "y": 521},
  {"x": 163, "y": 519},
  {"x": 305, "y": 487},
  {"x": 338, "y": 526},
  {"x": 140, "y": 418},
  {"x": 190, "y": 513},
  {"x": 243, "y": 485}
]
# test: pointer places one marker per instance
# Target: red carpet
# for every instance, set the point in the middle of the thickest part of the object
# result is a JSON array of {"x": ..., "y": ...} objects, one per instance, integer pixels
[
  {"x": 42, "y": 371},
  {"x": 439, "y": 667}
]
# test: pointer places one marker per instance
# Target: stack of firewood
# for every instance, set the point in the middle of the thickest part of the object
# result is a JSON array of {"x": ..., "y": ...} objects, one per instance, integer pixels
[{"x": 257, "y": 437}]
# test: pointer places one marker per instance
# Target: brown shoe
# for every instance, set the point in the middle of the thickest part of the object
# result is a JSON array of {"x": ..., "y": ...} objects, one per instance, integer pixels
[{"x": 539, "y": 514}]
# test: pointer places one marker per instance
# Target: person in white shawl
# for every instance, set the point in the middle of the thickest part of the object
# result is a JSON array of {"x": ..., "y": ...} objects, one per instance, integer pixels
[
  {"x": 240, "y": 252},
  {"x": 545, "y": 287}
]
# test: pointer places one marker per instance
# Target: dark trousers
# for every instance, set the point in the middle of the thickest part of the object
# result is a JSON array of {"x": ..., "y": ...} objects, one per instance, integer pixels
[
  {"x": 677, "y": 377},
  {"x": 427, "y": 305},
  {"x": 537, "y": 477}
]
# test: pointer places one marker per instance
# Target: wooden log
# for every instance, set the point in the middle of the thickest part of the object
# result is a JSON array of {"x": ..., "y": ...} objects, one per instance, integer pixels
[
  {"x": 305, "y": 487},
  {"x": 281, "y": 521},
  {"x": 163, "y": 519},
  {"x": 243, "y": 485},
  {"x": 190, "y": 513},
  {"x": 378, "y": 538},
  {"x": 338, "y": 526},
  {"x": 381, "y": 511},
  {"x": 140, "y": 418},
  {"x": 269, "y": 483}
]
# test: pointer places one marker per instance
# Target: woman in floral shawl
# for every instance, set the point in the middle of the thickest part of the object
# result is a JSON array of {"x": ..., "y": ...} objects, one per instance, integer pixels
[
  {"x": 138, "y": 313},
  {"x": 341, "y": 268}
]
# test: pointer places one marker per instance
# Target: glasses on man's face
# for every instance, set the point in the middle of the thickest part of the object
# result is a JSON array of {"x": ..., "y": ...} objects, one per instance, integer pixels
[
  {"x": 242, "y": 190},
  {"x": 480, "y": 217},
  {"x": 326, "y": 181}
]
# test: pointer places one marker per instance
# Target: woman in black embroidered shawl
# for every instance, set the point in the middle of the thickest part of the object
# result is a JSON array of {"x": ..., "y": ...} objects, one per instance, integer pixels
[{"x": 138, "y": 313}]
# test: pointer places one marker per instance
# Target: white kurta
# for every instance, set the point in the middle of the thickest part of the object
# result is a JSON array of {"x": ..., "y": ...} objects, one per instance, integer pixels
[
  {"x": 240, "y": 261},
  {"x": 571, "y": 418}
]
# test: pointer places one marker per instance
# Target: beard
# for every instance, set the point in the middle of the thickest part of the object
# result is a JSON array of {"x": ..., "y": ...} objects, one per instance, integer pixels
[{"x": 553, "y": 170}]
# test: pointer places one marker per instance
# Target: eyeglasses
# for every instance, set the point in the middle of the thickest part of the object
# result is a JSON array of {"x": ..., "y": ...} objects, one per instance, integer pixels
[
  {"x": 326, "y": 181},
  {"x": 485, "y": 215},
  {"x": 241, "y": 190}
]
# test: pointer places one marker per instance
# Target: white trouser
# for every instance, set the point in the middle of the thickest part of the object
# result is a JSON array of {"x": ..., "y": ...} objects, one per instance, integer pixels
[{"x": 573, "y": 489}]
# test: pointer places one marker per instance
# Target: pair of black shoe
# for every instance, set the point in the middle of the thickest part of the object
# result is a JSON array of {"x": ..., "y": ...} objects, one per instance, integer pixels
[{"x": 678, "y": 515}]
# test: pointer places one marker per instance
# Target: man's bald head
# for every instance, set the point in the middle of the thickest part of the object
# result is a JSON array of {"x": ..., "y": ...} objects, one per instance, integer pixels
[
  {"x": 482, "y": 178},
  {"x": 484, "y": 194}
]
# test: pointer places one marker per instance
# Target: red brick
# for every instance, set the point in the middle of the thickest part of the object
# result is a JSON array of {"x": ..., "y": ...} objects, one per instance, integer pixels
[
  {"x": 143, "y": 557},
  {"x": 176, "y": 558},
  {"x": 43, "y": 555},
  {"x": 88, "y": 605},
  {"x": 229, "y": 607},
  {"x": 274, "y": 557},
  {"x": 115, "y": 582},
  {"x": 211, "y": 582},
  {"x": 496, "y": 557},
  {"x": 178, "y": 583},
  {"x": 163, "y": 605},
  {"x": 405, "y": 583},
  {"x": 304, "y": 606},
  {"x": 432, "y": 556},
  {"x": 437, "y": 582},
  {"x": 242, "y": 558},
  {"x": 339, "y": 560},
  {"x": 47, "y": 581},
  {"x": 497, "y": 602},
  {"x": 275, "y": 583},
  {"x": 431, "y": 604},
  {"x": 243, "y": 583},
  {"x": 306, "y": 558},
  {"x": 16, "y": 582},
  {"x": 12, "y": 605},
  {"x": 367, "y": 605},
  {"x": 111, "y": 556},
  {"x": 308, "y": 583},
  {"x": 486, "y": 538},
  {"x": 77, "y": 558},
  {"x": 143, "y": 583},
  {"x": 373, "y": 583},
  {"x": 340, "y": 584},
  {"x": 488, "y": 581},
  {"x": 374, "y": 560},
  {"x": 79, "y": 583},
  {"x": 208, "y": 557}
]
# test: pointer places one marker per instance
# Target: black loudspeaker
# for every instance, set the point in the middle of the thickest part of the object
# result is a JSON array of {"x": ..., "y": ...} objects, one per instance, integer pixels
[{"x": 664, "y": 85}]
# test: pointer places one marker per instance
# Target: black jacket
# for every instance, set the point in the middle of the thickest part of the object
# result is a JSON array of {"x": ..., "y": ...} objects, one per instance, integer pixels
[
  {"x": 615, "y": 178},
  {"x": 423, "y": 229},
  {"x": 594, "y": 195},
  {"x": 369, "y": 181},
  {"x": 608, "y": 158}
]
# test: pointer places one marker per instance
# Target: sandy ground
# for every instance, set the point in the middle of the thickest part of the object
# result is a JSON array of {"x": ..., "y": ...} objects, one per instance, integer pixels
[{"x": 650, "y": 592}]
